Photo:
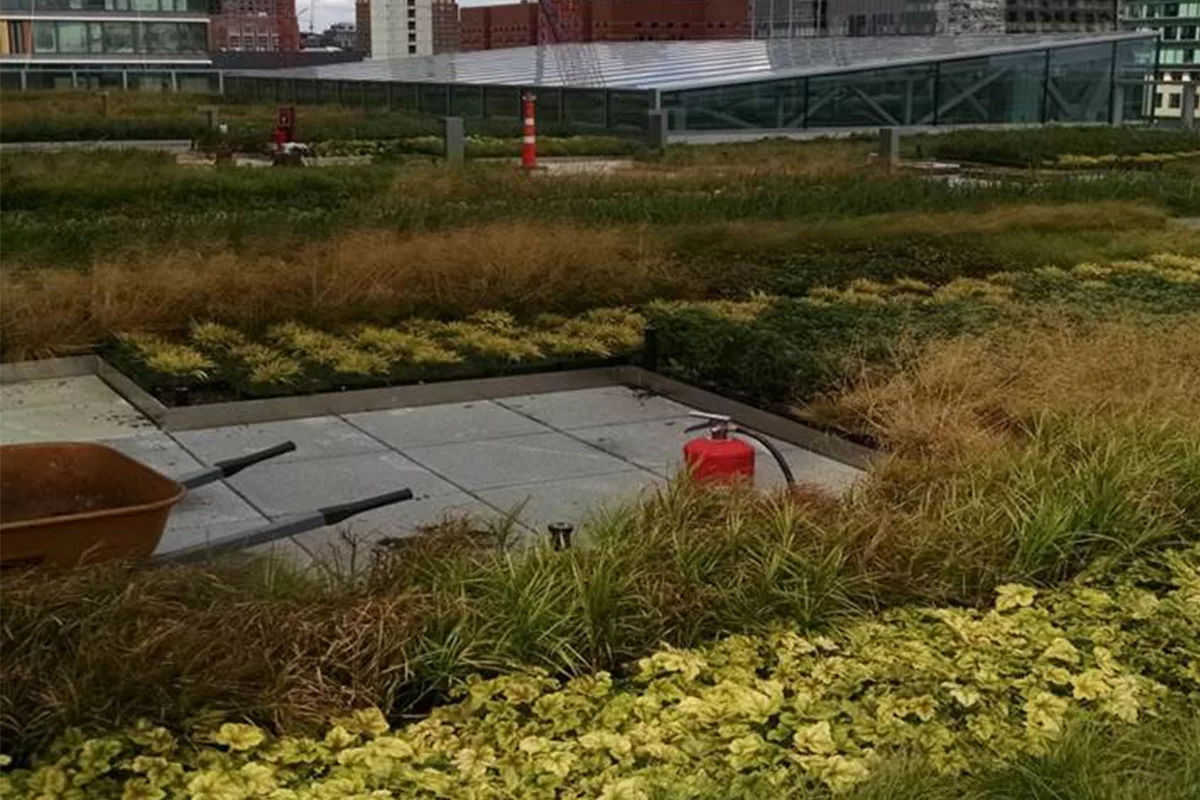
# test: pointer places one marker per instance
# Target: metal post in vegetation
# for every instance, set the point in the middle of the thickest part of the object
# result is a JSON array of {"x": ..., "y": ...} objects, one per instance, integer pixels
[
  {"x": 889, "y": 146},
  {"x": 560, "y": 535},
  {"x": 659, "y": 130},
  {"x": 212, "y": 114},
  {"x": 650, "y": 348},
  {"x": 104, "y": 104},
  {"x": 455, "y": 140},
  {"x": 1187, "y": 113}
]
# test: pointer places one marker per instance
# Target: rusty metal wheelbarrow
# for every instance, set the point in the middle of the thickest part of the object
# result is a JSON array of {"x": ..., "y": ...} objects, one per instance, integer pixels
[{"x": 65, "y": 504}]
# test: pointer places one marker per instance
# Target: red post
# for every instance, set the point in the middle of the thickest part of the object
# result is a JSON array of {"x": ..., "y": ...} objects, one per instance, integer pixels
[{"x": 529, "y": 131}]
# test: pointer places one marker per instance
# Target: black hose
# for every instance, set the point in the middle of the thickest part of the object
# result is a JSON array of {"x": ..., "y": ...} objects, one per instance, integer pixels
[{"x": 788, "y": 477}]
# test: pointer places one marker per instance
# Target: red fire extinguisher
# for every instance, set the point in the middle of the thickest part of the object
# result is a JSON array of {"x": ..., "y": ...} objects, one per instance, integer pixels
[{"x": 719, "y": 458}]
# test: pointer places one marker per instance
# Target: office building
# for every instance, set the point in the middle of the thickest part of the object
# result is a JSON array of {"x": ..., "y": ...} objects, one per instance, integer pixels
[
  {"x": 79, "y": 35},
  {"x": 393, "y": 29},
  {"x": 517, "y": 25},
  {"x": 1178, "y": 26},
  {"x": 255, "y": 26}
]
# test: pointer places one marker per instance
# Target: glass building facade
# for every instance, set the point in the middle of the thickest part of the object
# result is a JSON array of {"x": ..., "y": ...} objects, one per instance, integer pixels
[
  {"x": 82, "y": 33},
  {"x": 777, "y": 84},
  {"x": 1178, "y": 25}
]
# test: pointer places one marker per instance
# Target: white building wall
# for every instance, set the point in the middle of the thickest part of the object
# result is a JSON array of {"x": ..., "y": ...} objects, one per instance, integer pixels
[{"x": 401, "y": 28}]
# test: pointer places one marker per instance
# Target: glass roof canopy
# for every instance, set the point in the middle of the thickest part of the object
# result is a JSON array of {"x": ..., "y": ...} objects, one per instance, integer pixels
[{"x": 672, "y": 66}]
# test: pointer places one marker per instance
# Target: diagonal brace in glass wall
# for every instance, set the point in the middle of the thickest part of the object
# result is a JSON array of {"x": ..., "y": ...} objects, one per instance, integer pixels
[
  {"x": 1087, "y": 107},
  {"x": 814, "y": 107},
  {"x": 966, "y": 96},
  {"x": 879, "y": 110}
]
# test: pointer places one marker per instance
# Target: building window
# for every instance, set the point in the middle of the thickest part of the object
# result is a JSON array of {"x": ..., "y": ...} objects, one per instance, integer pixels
[
  {"x": 1188, "y": 32},
  {"x": 412, "y": 49},
  {"x": 1175, "y": 101},
  {"x": 72, "y": 37},
  {"x": 45, "y": 37},
  {"x": 1158, "y": 99}
]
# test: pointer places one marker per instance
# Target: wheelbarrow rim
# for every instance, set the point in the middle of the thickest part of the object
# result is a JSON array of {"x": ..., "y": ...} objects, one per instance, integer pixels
[{"x": 82, "y": 516}]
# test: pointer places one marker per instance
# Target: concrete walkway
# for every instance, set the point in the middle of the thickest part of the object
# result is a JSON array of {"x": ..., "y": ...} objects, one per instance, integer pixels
[{"x": 543, "y": 458}]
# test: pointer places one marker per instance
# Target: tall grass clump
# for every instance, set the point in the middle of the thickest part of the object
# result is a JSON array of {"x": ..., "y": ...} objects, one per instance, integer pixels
[{"x": 971, "y": 394}]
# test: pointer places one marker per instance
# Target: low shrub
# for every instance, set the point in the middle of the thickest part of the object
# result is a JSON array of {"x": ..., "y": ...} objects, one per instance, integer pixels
[
  {"x": 957, "y": 691},
  {"x": 1110, "y": 161},
  {"x": 292, "y": 358},
  {"x": 1038, "y": 146},
  {"x": 795, "y": 350},
  {"x": 482, "y": 147}
]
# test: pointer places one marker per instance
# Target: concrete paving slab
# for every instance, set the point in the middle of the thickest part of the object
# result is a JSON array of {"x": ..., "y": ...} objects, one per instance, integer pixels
[
  {"x": 54, "y": 392},
  {"x": 284, "y": 551},
  {"x": 807, "y": 467},
  {"x": 398, "y": 521},
  {"x": 174, "y": 538},
  {"x": 297, "y": 486},
  {"x": 590, "y": 407},
  {"x": 157, "y": 450},
  {"x": 315, "y": 437},
  {"x": 517, "y": 460},
  {"x": 573, "y": 500},
  {"x": 71, "y": 422},
  {"x": 213, "y": 506},
  {"x": 444, "y": 424},
  {"x": 655, "y": 444}
]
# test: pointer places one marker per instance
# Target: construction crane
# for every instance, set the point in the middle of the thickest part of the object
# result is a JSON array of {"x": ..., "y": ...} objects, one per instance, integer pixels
[
  {"x": 577, "y": 62},
  {"x": 309, "y": 9}
]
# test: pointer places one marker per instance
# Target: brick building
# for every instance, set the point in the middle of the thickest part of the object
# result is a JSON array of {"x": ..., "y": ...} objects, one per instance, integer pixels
[
  {"x": 255, "y": 26},
  {"x": 493, "y": 27}
]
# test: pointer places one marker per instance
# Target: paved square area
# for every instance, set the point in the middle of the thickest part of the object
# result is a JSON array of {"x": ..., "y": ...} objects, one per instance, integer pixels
[
  {"x": 66, "y": 409},
  {"x": 563, "y": 456}
]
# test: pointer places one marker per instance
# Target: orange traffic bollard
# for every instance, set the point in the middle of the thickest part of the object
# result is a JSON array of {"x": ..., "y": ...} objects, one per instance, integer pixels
[{"x": 529, "y": 131}]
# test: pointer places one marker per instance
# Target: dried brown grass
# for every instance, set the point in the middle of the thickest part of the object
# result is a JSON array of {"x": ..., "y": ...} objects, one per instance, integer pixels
[
  {"x": 369, "y": 275},
  {"x": 971, "y": 394},
  {"x": 183, "y": 644},
  {"x": 522, "y": 267}
]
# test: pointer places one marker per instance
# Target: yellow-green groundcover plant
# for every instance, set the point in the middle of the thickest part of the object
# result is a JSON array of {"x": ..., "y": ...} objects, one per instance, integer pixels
[{"x": 758, "y": 717}]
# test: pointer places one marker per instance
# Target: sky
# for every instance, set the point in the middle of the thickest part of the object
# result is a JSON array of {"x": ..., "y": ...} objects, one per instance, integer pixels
[{"x": 331, "y": 11}]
